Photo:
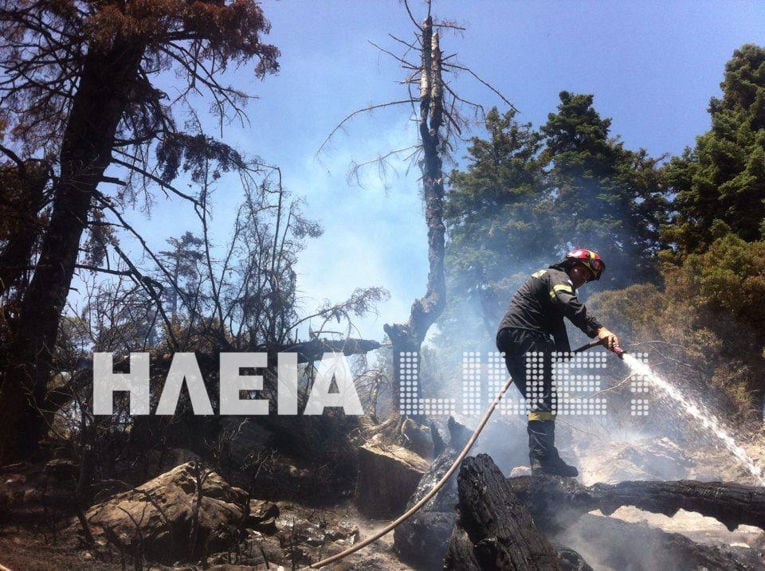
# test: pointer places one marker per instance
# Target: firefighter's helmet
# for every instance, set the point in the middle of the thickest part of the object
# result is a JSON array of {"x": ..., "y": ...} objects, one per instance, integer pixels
[{"x": 588, "y": 258}]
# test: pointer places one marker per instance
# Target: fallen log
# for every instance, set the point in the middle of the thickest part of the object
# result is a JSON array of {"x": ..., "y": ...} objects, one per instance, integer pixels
[{"x": 557, "y": 502}]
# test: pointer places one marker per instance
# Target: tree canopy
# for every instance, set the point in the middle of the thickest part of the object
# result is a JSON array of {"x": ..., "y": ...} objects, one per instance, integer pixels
[
  {"x": 720, "y": 183},
  {"x": 528, "y": 196},
  {"x": 79, "y": 91}
]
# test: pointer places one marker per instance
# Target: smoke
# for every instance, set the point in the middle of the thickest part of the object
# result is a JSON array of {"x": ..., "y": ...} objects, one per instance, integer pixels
[{"x": 608, "y": 543}]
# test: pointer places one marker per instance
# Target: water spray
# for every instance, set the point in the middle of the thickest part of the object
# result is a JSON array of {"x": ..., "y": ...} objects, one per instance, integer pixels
[
  {"x": 697, "y": 411},
  {"x": 700, "y": 413}
]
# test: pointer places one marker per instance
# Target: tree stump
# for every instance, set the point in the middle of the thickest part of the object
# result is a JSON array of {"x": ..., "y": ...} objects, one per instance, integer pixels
[{"x": 498, "y": 525}]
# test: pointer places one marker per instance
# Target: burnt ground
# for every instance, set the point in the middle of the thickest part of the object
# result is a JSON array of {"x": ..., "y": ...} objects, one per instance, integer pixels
[
  {"x": 47, "y": 537},
  {"x": 299, "y": 535}
]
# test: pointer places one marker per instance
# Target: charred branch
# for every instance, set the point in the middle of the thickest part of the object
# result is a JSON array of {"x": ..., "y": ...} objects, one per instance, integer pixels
[
  {"x": 559, "y": 501},
  {"x": 313, "y": 350}
]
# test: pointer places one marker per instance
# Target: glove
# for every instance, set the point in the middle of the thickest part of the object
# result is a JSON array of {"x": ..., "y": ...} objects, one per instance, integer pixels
[{"x": 609, "y": 340}]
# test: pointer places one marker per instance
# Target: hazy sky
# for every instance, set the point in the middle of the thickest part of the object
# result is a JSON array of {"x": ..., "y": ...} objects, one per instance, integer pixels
[{"x": 652, "y": 66}]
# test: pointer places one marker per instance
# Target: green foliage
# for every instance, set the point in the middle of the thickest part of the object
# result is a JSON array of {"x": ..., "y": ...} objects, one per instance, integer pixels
[
  {"x": 729, "y": 280},
  {"x": 707, "y": 328},
  {"x": 602, "y": 196},
  {"x": 723, "y": 178},
  {"x": 493, "y": 210},
  {"x": 529, "y": 196}
]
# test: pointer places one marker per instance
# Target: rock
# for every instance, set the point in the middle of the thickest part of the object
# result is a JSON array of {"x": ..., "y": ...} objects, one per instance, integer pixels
[
  {"x": 520, "y": 471},
  {"x": 345, "y": 532},
  {"x": 388, "y": 476},
  {"x": 263, "y": 516},
  {"x": 157, "y": 519}
]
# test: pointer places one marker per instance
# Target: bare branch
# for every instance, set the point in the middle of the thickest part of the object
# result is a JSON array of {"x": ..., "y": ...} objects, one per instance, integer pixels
[
  {"x": 15, "y": 158},
  {"x": 405, "y": 64},
  {"x": 405, "y": 43},
  {"x": 381, "y": 161},
  {"x": 485, "y": 83},
  {"x": 104, "y": 270},
  {"x": 411, "y": 16},
  {"x": 359, "y": 112},
  {"x": 154, "y": 178}
]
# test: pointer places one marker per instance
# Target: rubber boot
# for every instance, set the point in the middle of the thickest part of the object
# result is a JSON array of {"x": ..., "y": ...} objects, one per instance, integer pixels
[{"x": 543, "y": 455}]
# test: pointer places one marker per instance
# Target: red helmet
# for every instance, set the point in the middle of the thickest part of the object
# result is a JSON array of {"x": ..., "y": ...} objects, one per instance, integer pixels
[{"x": 589, "y": 259}]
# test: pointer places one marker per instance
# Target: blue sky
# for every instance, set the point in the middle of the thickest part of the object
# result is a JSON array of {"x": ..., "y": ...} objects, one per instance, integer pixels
[{"x": 651, "y": 65}]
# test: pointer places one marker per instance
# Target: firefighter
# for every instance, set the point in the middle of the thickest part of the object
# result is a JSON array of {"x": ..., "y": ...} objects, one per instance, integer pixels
[{"x": 533, "y": 329}]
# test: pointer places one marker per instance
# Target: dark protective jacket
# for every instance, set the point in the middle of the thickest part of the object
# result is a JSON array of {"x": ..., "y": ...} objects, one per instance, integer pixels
[{"x": 543, "y": 301}]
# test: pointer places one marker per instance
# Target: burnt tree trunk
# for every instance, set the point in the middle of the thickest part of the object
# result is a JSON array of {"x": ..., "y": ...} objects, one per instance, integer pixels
[
  {"x": 496, "y": 529},
  {"x": 106, "y": 81},
  {"x": 24, "y": 204},
  {"x": 406, "y": 338}
]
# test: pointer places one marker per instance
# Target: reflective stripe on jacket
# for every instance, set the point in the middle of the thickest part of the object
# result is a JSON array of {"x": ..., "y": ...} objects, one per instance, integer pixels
[{"x": 543, "y": 301}]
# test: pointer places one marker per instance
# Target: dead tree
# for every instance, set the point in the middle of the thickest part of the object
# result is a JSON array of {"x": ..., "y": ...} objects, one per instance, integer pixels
[
  {"x": 87, "y": 97},
  {"x": 436, "y": 107},
  {"x": 408, "y": 337}
]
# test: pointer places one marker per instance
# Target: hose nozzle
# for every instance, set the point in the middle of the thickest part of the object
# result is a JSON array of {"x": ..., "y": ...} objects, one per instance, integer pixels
[{"x": 617, "y": 350}]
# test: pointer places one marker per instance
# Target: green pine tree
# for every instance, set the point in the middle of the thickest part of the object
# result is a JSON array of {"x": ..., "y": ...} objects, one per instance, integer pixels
[
  {"x": 720, "y": 184},
  {"x": 603, "y": 196}
]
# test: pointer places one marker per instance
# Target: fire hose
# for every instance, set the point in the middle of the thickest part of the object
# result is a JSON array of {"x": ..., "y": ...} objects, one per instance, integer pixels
[
  {"x": 618, "y": 350},
  {"x": 453, "y": 468}
]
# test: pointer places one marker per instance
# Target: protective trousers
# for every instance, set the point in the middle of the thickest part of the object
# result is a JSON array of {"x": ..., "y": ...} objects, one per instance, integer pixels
[{"x": 528, "y": 357}]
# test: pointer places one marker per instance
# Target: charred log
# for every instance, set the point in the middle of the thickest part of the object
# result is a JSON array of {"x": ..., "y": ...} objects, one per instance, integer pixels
[
  {"x": 497, "y": 523},
  {"x": 422, "y": 539},
  {"x": 557, "y": 502}
]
